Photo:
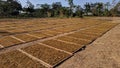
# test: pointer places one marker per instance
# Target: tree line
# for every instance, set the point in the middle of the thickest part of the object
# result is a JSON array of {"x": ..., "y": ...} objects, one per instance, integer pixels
[{"x": 13, "y": 8}]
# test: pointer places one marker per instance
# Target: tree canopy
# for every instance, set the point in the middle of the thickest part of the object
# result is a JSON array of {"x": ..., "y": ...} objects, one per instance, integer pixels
[{"x": 13, "y": 8}]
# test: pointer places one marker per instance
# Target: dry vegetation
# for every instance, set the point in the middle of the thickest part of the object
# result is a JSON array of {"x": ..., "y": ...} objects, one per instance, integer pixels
[
  {"x": 57, "y": 47},
  {"x": 26, "y": 37},
  {"x": 83, "y": 36},
  {"x": 49, "y": 55},
  {"x": 50, "y": 32},
  {"x": 9, "y": 41},
  {"x": 40, "y": 35},
  {"x": 78, "y": 41},
  {"x": 16, "y": 59},
  {"x": 62, "y": 45}
]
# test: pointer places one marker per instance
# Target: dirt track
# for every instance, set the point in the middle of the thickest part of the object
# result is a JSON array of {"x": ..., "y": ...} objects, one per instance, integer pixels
[{"x": 102, "y": 53}]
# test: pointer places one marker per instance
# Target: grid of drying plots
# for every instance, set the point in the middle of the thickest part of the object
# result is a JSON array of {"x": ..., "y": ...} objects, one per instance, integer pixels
[{"x": 41, "y": 43}]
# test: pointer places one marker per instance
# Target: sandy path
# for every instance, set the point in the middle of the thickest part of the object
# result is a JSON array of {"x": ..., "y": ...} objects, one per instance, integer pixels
[{"x": 102, "y": 53}]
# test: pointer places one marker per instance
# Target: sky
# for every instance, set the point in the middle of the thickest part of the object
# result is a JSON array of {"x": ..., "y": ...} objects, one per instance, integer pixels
[{"x": 64, "y": 3}]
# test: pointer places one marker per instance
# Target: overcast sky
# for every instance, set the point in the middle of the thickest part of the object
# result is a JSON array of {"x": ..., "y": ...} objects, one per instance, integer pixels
[{"x": 64, "y": 3}]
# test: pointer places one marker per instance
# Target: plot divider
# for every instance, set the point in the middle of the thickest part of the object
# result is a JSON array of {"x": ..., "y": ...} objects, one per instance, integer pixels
[
  {"x": 1, "y": 46},
  {"x": 17, "y": 38},
  {"x": 32, "y": 35}
]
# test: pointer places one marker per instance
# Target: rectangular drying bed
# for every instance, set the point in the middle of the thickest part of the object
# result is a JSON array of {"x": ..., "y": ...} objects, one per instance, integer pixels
[
  {"x": 82, "y": 36},
  {"x": 16, "y": 59},
  {"x": 9, "y": 41},
  {"x": 50, "y": 32},
  {"x": 74, "y": 40},
  {"x": 46, "y": 54},
  {"x": 39, "y": 34},
  {"x": 25, "y": 37},
  {"x": 62, "y": 45}
]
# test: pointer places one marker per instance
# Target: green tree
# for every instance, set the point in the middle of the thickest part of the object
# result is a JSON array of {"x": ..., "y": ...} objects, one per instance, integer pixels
[
  {"x": 87, "y": 8},
  {"x": 10, "y": 7},
  {"x": 29, "y": 8},
  {"x": 56, "y": 8},
  {"x": 116, "y": 10},
  {"x": 106, "y": 9},
  {"x": 46, "y": 9},
  {"x": 99, "y": 9},
  {"x": 71, "y": 4},
  {"x": 79, "y": 11},
  {"x": 39, "y": 13}
]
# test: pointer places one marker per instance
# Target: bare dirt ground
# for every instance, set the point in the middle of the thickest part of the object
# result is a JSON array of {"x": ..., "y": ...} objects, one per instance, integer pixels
[{"x": 102, "y": 53}]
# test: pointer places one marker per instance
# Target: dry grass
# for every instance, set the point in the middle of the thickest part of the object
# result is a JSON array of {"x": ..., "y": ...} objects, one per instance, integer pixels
[
  {"x": 16, "y": 59},
  {"x": 62, "y": 45},
  {"x": 51, "y": 56},
  {"x": 50, "y": 32},
  {"x": 9, "y": 41},
  {"x": 59, "y": 43},
  {"x": 39, "y": 34},
  {"x": 25, "y": 37},
  {"x": 74, "y": 40},
  {"x": 82, "y": 36},
  {"x": 19, "y": 26}
]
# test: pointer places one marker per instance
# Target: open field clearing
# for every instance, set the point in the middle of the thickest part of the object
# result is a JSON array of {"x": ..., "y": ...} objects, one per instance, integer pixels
[{"x": 52, "y": 40}]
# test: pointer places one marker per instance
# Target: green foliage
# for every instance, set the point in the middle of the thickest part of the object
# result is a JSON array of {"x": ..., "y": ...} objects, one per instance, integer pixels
[
  {"x": 12, "y": 8},
  {"x": 70, "y": 2},
  {"x": 115, "y": 11},
  {"x": 97, "y": 9},
  {"x": 87, "y": 8},
  {"x": 46, "y": 10},
  {"x": 29, "y": 8},
  {"x": 79, "y": 11},
  {"x": 57, "y": 8}
]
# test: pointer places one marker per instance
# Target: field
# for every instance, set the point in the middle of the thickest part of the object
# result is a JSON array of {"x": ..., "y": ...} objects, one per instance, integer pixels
[
  {"x": 8, "y": 41},
  {"x": 74, "y": 40},
  {"x": 25, "y": 37},
  {"x": 49, "y": 55},
  {"x": 62, "y": 45},
  {"x": 53, "y": 40},
  {"x": 16, "y": 59}
]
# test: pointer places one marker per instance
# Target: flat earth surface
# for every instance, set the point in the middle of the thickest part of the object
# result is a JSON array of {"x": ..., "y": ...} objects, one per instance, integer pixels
[
  {"x": 46, "y": 43},
  {"x": 102, "y": 53}
]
